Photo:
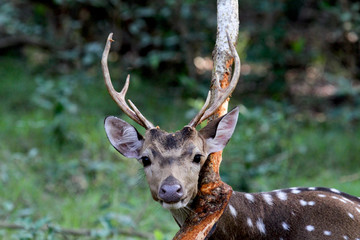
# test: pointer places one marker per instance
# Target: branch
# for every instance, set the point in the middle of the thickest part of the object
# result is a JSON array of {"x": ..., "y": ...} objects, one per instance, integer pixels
[{"x": 76, "y": 232}]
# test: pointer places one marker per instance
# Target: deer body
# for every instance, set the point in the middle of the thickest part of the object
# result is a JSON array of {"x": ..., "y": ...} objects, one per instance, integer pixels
[
  {"x": 172, "y": 163},
  {"x": 295, "y": 213}
]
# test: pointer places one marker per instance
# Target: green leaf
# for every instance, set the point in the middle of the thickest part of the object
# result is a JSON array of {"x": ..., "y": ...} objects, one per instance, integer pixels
[
  {"x": 298, "y": 45},
  {"x": 158, "y": 235}
]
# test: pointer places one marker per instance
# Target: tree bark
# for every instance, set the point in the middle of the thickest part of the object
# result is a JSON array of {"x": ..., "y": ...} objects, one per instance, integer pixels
[{"x": 213, "y": 195}]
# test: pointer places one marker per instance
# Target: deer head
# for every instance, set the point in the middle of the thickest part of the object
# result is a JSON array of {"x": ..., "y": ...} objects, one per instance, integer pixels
[{"x": 171, "y": 161}]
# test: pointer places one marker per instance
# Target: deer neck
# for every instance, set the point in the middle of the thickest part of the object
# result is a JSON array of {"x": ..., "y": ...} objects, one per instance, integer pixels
[{"x": 181, "y": 214}]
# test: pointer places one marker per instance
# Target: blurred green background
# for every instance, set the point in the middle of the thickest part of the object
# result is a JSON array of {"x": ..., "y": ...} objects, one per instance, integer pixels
[{"x": 299, "y": 96}]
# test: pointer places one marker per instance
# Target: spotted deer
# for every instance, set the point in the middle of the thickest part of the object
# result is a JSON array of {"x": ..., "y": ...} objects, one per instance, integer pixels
[{"x": 172, "y": 163}]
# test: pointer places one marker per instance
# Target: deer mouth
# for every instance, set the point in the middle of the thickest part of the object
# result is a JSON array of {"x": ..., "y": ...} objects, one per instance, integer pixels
[{"x": 180, "y": 204}]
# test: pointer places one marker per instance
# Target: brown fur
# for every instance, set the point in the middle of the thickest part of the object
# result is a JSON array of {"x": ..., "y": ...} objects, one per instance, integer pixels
[{"x": 328, "y": 213}]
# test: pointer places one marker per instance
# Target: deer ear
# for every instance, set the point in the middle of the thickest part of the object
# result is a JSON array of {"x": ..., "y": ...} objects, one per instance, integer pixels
[
  {"x": 218, "y": 132},
  {"x": 124, "y": 137}
]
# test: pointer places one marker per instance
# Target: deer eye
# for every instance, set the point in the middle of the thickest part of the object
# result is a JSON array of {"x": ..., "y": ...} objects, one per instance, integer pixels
[
  {"x": 197, "y": 158},
  {"x": 146, "y": 161}
]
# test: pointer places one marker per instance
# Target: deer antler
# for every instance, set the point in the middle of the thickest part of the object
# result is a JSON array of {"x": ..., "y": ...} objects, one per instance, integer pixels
[
  {"x": 119, "y": 97},
  {"x": 219, "y": 94}
]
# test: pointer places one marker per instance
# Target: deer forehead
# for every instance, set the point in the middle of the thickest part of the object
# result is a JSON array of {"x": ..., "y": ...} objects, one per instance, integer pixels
[{"x": 182, "y": 143}]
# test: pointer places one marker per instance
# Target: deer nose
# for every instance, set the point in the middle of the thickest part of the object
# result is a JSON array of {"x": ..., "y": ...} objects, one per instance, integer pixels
[
  {"x": 171, "y": 193},
  {"x": 171, "y": 190}
]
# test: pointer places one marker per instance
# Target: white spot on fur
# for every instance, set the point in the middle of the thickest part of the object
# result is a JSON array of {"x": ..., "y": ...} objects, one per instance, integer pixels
[
  {"x": 311, "y": 203},
  {"x": 346, "y": 237},
  {"x": 350, "y": 215},
  {"x": 232, "y": 210},
  {"x": 357, "y": 209},
  {"x": 282, "y": 196},
  {"x": 305, "y": 203},
  {"x": 268, "y": 198},
  {"x": 312, "y": 188},
  {"x": 337, "y": 198},
  {"x": 342, "y": 200},
  {"x": 322, "y": 195},
  {"x": 261, "y": 226},
  {"x": 285, "y": 226},
  {"x": 348, "y": 200},
  {"x": 310, "y": 228},
  {"x": 334, "y": 190},
  {"x": 295, "y": 191},
  {"x": 249, "y": 222},
  {"x": 327, "y": 233},
  {"x": 250, "y": 197}
]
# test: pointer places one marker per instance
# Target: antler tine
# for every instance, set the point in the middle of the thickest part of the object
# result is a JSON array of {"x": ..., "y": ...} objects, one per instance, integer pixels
[
  {"x": 145, "y": 122},
  {"x": 225, "y": 93},
  {"x": 119, "y": 98},
  {"x": 222, "y": 94}
]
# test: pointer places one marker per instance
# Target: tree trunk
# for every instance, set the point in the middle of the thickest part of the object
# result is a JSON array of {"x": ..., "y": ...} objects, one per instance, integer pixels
[{"x": 214, "y": 194}]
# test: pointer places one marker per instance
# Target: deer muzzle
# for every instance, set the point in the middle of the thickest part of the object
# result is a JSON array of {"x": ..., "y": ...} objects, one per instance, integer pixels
[{"x": 170, "y": 190}]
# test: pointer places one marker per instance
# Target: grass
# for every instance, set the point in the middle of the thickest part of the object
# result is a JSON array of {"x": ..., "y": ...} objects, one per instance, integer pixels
[{"x": 57, "y": 166}]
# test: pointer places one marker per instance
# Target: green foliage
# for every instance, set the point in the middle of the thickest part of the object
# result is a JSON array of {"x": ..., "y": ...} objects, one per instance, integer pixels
[
  {"x": 155, "y": 39},
  {"x": 54, "y": 96},
  {"x": 278, "y": 142},
  {"x": 150, "y": 35}
]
